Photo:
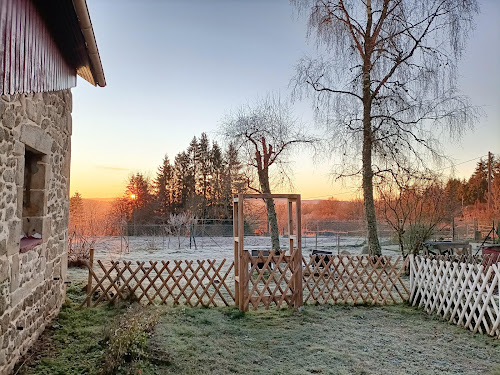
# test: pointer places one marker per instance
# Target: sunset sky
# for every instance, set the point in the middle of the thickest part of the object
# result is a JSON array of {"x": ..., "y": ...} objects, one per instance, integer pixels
[{"x": 175, "y": 68}]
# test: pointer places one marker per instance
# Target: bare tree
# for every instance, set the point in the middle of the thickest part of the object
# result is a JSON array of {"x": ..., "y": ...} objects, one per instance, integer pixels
[
  {"x": 265, "y": 134},
  {"x": 415, "y": 208},
  {"x": 386, "y": 90},
  {"x": 179, "y": 224}
]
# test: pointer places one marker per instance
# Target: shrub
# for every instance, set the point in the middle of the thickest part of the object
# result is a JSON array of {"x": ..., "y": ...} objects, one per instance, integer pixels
[
  {"x": 79, "y": 249},
  {"x": 415, "y": 236},
  {"x": 126, "y": 339}
]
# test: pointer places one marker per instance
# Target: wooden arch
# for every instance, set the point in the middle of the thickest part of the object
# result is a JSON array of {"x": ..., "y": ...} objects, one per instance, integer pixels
[{"x": 265, "y": 278}]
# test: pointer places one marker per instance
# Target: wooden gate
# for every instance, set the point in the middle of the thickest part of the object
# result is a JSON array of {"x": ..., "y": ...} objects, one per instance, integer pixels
[{"x": 261, "y": 277}]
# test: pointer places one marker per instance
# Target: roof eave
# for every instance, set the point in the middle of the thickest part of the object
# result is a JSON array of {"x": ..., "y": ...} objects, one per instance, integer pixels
[{"x": 82, "y": 13}]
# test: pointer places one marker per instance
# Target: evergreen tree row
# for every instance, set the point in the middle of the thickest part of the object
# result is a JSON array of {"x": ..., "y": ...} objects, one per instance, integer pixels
[
  {"x": 201, "y": 180},
  {"x": 474, "y": 191}
]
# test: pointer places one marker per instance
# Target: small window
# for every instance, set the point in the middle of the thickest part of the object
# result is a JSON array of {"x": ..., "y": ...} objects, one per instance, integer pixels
[{"x": 33, "y": 199}]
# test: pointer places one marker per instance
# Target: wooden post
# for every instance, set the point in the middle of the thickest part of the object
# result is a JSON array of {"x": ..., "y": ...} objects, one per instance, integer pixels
[
  {"x": 236, "y": 253},
  {"x": 242, "y": 263},
  {"x": 489, "y": 182},
  {"x": 290, "y": 226},
  {"x": 244, "y": 275},
  {"x": 477, "y": 235},
  {"x": 299, "y": 301},
  {"x": 89, "y": 281},
  {"x": 295, "y": 285}
]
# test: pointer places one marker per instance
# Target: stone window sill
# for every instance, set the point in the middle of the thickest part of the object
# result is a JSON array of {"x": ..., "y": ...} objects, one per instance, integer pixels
[{"x": 29, "y": 243}]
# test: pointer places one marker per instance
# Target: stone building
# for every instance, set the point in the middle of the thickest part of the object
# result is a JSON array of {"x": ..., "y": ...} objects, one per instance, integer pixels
[{"x": 44, "y": 45}]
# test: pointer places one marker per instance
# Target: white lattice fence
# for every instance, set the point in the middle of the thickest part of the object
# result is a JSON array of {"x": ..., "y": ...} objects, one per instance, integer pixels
[{"x": 466, "y": 294}]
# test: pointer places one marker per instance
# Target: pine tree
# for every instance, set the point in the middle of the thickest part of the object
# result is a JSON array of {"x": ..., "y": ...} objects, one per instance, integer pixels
[
  {"x": 163, "y": 189},
  {"x": 233, "y": 181},
  {"x": 477, "y": 185},
  {"x": 192, "y": 202},
  {"x": 140, "y": 198},
  {"x": 216, "y": 180},
  {"x": 184, "y": 186},
  {"x": 204, "y": 173},
  {"x": 455, "y": 191},
  {"x": 75, "y": 212}
]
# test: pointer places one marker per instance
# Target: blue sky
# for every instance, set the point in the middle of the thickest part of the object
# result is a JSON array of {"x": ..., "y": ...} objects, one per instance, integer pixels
[{"x": 174, "y": 68}]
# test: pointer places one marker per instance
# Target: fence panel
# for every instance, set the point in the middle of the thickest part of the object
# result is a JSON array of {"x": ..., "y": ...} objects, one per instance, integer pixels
[
  {"x": 354, "y": 279},
  {"x": 465, "y": 293},
  {"x": 272, "y": 280},
  {"x": 195, "y": 283}
]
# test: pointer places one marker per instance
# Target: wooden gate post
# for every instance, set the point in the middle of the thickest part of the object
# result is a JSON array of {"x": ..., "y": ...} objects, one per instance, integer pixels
[
  {"x": 291, "y": 248},
  {"x": 299, "y": 299},
  {"x": 295, "y": 245},
  {"x": 236, "y": 252},
  {"x": 89, "y": 280},
  {"x": 242, "y": 262}
]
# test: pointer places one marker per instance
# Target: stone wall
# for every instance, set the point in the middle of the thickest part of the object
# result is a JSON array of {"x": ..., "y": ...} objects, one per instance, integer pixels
[{"x": 32, "y": 287}]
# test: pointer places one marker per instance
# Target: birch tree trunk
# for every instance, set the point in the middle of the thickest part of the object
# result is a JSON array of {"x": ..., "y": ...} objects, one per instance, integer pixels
[
  {"x": 271, "y": 210},
  {"x": 369, "y": 203}
]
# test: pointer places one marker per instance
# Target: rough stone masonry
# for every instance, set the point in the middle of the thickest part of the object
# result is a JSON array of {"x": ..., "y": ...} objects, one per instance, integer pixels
[{"x": 35, "y": 143}]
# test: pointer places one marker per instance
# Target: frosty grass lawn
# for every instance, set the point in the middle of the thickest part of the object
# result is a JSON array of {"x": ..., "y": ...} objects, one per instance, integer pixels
[{"x": 317, "y": 340}]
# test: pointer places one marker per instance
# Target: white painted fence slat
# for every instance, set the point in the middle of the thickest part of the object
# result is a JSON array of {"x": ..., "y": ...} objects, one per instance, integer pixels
[{"x": 496, "y": 306}]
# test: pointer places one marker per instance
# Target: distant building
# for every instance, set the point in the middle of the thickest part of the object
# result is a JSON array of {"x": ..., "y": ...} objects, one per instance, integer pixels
[{"x": 44, "y": 45}]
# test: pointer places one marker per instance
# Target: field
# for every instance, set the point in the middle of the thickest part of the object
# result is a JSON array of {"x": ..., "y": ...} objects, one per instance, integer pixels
[
  {"x": 215, "y": 247},
  {"x": 146, "y": 248},
  {"x": 317, "y": 340}
]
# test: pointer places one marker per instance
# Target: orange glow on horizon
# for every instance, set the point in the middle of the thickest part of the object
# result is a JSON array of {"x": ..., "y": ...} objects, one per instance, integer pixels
[
  {"x": 97, "y": 183},
  {"x": 109, "y": 187}
]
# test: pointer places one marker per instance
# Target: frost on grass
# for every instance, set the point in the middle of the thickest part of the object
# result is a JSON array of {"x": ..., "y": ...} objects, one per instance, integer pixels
[
  {"x": 322, "y": 340},
  {"x": 317, "y": 340}
]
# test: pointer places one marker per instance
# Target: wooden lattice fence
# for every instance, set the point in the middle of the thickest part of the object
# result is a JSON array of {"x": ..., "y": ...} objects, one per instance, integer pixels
[
  {"x": 272, "y": 280},
  {"x": 464, "y": 292},
  {"x": 354, "y": 279},
  {"x": 191, "y": 282}
]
